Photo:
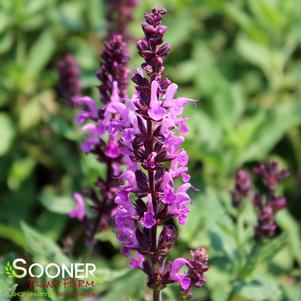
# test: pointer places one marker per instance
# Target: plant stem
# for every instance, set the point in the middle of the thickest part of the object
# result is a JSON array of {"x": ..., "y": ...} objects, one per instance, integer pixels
[
  {"x": 151, "y": 181},
  {"x": 102, "y": 207},
  {"x": 156, "y": 295},
  {"x": 247, "y": 269},
  {"x": 244, "y": 268}
]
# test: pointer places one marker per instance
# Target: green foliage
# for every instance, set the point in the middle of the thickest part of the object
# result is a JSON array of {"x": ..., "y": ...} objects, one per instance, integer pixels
[
  {"x": 129, "y": 287},
  {"x": 7, "y": 133},
  {"x": 240, "y": 59},
  {"x": 42, "y": 247},
  {"x": 258, "y": 290}
]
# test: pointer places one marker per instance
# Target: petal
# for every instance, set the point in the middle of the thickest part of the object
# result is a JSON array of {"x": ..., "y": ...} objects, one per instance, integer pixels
[
  {"x": 118, "y": 107},
  {"x": 79, "y": 211},
  {"x": 148, "y": 220},
  {"x": 154, "y": 90},
  {"x": 176, "y": 267},
  {"x": 156, "y": 112},
  {"x": 170, "y": 92},
  {"x": 82, "y": 117},
  {"x": 85, "y": 147},
  {"x": 112, "y": 149},
  {"x": 115, "y": 92},
  {"x": 130, "y": 177},
  {"x": 87, "y": 101},
  {"x": 185, "y": 283},
  {"x": 184, "y": 187},
  {"x": 137, "y": 261}
]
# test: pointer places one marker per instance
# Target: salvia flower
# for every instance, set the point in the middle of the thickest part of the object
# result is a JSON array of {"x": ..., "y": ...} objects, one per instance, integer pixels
[
  {"x": 120, "y": 14},
  {"x": 243, "y": 186},
  {"x": 152, "y": 131},
  {"x": 113, "y": 68},
  {"x": 267, "y": 203},
  {"x": 198, "y": 260},
  {"x": 99, "y": 125},
  {"x": 79, "y": 211},
  {"x": 270, "y": 174},
  {"x": 69, "y": 82}
]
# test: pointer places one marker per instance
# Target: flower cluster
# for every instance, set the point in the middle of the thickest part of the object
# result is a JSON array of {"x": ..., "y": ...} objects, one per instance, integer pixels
[
  {"x": 98, "y": 123},
  {"x": 266, "y": 201},
  {"x": 69, "y": 82},
  {"x": 243, "y": 186},
  {"x": 120, "y": 14},
  {"x": 264, "y": 198},
  {"x": 114, "y": 68},
  {"x": 270, "y": 175},
  {"x": 152, "y": 134},
  {"x": 197, "y": 265}
]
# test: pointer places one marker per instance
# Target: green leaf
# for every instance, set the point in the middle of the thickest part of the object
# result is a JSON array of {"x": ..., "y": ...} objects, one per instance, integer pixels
[
  {"x": 20, "y": 171},
  {"x": 292, "y": 292},
  {"x": 220, "y": 228},
  {"x": 57, "y": 204},
  {"x": 40, "y": 53},
  {"x": 191, "y": 230},
  {"x": 271, "y": 129},
  {"x": 108, "y": 236},
  {"x": 272, "y": 247},
  {"x": 132, "y": 285},
  {"x": 203, "y": 129},
  {"x": 107, "y": 275},
  {"x": 6, "y": 42},
  {"x": 258, "y": 289},
  {"x": 61, "y": 127},
  {"x": 287, "y": 223},
  {"x": 228, "y": 104},
  {"x": 269, "y": 14},
  {"x": 12, "y": 234},
  {"x": 7, "y": 133},
  {"x": 31, "y": 112},
  {"x": 182, "y": 25},
  {"x": 42, "y": 247},
  {"x": 255, "y": 53}
]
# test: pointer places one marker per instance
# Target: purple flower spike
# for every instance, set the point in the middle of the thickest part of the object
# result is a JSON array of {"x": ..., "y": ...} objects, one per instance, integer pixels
[
  {"x": 151, "y": 135},
  {"x": 69, "y": 82},
  {"x": 267, "y": 206},
  {"x": 263, "y": 195},
  {"x": 198, "y": 260},
  {"x": 120, "y": 14},
  {"x": 113, "y": 68},
  {"x": 101, "y": 130},
  {"x": 243, "y": 186},
  {"x": 151, "y": 48},
  {"x": 270, "y": 174},
  {"x": 266, "y": 202}
]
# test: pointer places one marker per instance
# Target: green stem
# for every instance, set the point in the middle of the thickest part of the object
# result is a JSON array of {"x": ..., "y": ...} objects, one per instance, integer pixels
[
  {"x": 247, "y": 269},
  {"x": 239, "y": 229},
  {"x": 156, "y": 295},
  {"x": 251, "y": 263}
]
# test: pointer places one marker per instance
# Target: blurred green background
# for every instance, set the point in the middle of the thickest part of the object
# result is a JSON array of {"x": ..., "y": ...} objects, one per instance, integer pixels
[{"x": 240, "y": 58}]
